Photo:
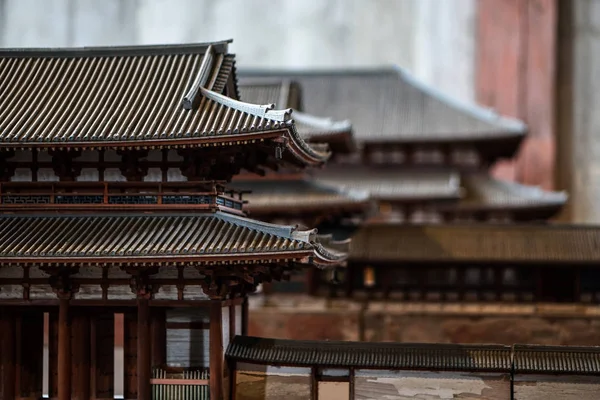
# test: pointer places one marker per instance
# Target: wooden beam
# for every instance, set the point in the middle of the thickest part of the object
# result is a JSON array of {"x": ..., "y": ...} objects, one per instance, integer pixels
[
  {"x": 216, "y": 350},
  {"x": 144, "y": 369},
  {"x": 64, "y": 351},
  {"x": 7, "y": 355},
  {"x": 80, "y": 348}
]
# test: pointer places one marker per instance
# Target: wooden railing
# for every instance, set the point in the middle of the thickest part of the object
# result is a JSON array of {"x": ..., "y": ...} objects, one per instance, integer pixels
[
  {"x": 73, "y": 195},
  {"x": 170, "y": 384}
]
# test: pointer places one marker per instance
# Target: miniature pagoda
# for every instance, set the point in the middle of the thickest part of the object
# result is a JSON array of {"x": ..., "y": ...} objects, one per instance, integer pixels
[
  {"x": 421, "y": 157},
  {"x": 114, "y": 162}
]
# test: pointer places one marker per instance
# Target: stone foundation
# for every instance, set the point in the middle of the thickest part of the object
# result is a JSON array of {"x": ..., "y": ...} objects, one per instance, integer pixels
[{"x": 303, "y": 317}]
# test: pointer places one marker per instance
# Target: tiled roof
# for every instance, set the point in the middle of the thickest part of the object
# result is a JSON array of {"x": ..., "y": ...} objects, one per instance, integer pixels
[
  {"x": 556, "y": 360},
  {"x": 283, "y": 92},
  {"x": 388, "y": 105},
  {"x": 143, "y": 96},
  {"x": 407, "y": 356},
  {"x": 312, "y": 128},
  {"x": 296, "y": 196},
  {"x": 392, "y": 184},
  {"x": 533, "y": 243},
  {"x": 484, "y": 192},
  {"x": 76, "y": 239}
]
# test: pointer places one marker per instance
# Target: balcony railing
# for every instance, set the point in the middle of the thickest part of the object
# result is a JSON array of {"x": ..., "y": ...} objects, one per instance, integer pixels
[
  {"x": 119, "y": 195},
  {"x": 180, "y": 385}
]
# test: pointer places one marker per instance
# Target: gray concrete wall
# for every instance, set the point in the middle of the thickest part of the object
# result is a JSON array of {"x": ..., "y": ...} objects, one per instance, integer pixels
[
  {"x": 578, "y": 109},
  {"x": 432, "y": 38}
]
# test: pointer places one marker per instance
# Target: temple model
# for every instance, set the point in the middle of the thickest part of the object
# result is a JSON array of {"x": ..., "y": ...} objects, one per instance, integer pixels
[{"x": 112, "y": 193}]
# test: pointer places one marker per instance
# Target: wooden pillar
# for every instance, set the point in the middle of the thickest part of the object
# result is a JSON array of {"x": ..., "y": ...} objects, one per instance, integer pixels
[
  {"x": 144, "y": 369},
  {"x": 64, "y": 351},
  {"x": 7, "y": 355},
  {"x": 130, "y": 350},
  {"x": 102, "y": 358},
  {"x": 216, "y": 350},
  {"x": 349, "y": 281},
  {"x": 158, "y": 328},
  {"x": 232, "y": 379},
  {"x": 314, "y": 384},
  {"x": 80, "y": 349},
  {"x": 245, "y": 316},
  {"x": 352, "y": 378},
  {"x": 231, "y": 322}
]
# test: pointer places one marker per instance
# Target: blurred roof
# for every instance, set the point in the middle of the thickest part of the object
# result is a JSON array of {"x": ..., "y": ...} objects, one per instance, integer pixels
[
  {"x": 312, "y": 128},
  {"x": 387, "y": 105},
  {"x": 477, "y": 243}
]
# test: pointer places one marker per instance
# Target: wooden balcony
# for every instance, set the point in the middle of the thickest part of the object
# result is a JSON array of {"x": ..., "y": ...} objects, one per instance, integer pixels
[{"x": 119, "y": 196}]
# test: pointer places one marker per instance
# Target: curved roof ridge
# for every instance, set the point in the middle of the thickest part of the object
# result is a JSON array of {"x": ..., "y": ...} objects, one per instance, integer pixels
[
  {"x": 219, "y": 46},
  {"x": 487, "y": 114},
  {"x": 264, "y": 111},
  {"x": 287, "y": 231},
  {"x": 324, "y": 123},
  {"x": 520, "y": 189},
  {"x": 355, "y": 193}
]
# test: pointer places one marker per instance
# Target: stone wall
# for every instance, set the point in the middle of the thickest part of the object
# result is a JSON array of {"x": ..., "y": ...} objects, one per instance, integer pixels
[{"x": 301, "y": 317}]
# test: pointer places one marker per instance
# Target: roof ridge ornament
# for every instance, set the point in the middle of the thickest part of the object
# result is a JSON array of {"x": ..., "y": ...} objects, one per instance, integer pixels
[
  {"x": 192, "y": 97},
  {"x": 263, "y": 111}
]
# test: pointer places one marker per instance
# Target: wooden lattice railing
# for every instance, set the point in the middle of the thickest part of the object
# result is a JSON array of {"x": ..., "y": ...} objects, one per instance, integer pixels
[{"x": 171, "y": 384}]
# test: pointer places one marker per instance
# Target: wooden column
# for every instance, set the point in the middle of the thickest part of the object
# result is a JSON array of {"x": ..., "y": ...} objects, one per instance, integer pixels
[
  {"x": 245, "y": 316},
  {"x": 30, "y": 362},
  {"x": 231, "y": 323},
  {"x": 80, "y": 349},
  {"x": 130, "y": 350},
  {"x": 216, "y": 350},
  {"x": 158, "y": 328},
  {"x": 144, "y": 369},
  {"x": 7, "y": 355},
  {"x": 64, "y": 351}
]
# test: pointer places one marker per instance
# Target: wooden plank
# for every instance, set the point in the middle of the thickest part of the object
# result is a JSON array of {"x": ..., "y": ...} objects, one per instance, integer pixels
[
  {"x": 216, "y": 350},
  {"x": 185, "y": 382}
]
